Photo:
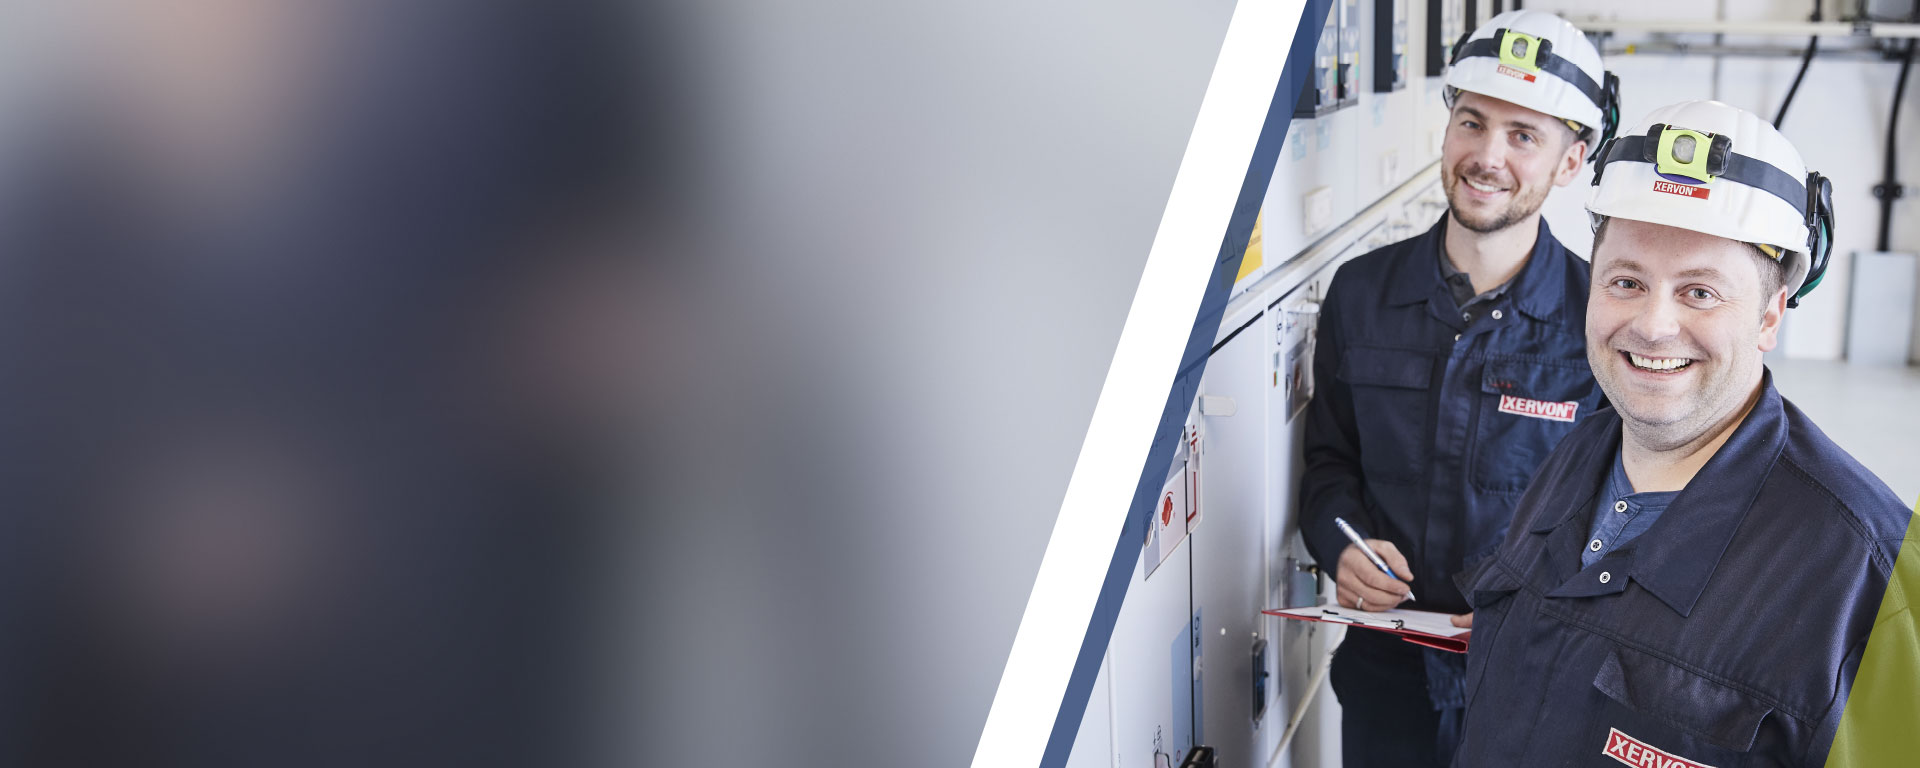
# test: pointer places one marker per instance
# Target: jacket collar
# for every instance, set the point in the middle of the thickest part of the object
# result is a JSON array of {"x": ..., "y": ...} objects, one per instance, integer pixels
[
  {"x": 1538, "y": 291},
  {"x": 1675, "y": 558}
]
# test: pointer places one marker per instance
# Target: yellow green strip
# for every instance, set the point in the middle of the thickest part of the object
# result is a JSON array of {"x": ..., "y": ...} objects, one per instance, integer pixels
[{"x": 1881, "y": 725}]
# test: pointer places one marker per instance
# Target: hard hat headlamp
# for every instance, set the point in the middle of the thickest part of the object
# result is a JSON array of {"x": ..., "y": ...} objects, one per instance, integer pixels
[
  {"x": 1523, "y": 51},
  {"x": 1687, "y": 154}
]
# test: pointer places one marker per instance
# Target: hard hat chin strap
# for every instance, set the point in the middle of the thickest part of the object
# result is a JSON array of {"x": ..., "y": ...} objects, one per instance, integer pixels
[
  {"x": 1819, "y": 219},
  {"x": 1609, "y": 116}
]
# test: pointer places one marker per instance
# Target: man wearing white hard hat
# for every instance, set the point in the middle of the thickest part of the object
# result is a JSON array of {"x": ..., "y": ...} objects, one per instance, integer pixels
[
  {"x": 1692, "y": 576},
  {"x": 1450, "y": 365}
]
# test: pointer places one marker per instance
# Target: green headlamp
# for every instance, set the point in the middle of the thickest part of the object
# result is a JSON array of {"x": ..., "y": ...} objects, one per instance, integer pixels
[
  {"x": 1679, "y": 154},
  {"x": 1522, "y": 51},
  {"x": 1689, "y": 154}
]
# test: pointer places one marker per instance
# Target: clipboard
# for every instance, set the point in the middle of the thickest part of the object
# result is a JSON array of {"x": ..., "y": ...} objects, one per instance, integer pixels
[{"x": 1427, "y": 628}]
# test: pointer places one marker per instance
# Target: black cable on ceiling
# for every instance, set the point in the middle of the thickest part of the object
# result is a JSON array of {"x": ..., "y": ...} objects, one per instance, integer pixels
[
  {"x": 1806, "y": 60},
  {"x": 1889, "y": 188}
]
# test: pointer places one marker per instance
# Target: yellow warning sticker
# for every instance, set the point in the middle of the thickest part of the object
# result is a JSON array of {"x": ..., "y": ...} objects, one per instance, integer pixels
[{"x": 1251, "y": 261}]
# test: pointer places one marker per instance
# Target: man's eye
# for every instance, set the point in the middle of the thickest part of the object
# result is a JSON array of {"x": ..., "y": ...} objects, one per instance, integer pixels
[
  {"x": 1626, "y": 283},
  {"x": 1524, "y": 137},
  {"x": 1701, "y": 294}
]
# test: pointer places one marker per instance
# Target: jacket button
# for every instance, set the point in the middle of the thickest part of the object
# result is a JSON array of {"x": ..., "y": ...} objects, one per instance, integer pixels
[
  {"x": 1596, "y": 545},
  {"x": 1456, "y": 337},
  {"x": 1496, "y": 314},
  {"x": 1467, "y": 316},
  {"x": 1620, "y": 506},
  {"x": 1605, "y": 577}
]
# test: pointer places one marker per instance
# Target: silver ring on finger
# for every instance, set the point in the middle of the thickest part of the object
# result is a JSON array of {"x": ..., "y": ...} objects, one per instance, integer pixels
[{"x": 1359, "y": 602}]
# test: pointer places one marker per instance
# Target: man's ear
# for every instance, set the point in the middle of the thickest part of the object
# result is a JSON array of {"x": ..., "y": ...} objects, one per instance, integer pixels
[
  {"x": 1570, "y": 163},
  {"x": 1770, "y": 320}
]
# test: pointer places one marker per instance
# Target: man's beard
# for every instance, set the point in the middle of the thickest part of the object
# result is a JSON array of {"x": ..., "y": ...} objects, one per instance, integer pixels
[{"x": 1518, "y": 208}]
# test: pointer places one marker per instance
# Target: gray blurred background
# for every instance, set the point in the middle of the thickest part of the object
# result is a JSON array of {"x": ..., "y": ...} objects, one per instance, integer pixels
[
  {"x": 920, "y": 230},
  {"x": 579, "y": 382}
]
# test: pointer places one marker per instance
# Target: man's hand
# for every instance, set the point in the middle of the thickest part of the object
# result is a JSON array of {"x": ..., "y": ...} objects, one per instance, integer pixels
[
  {"x": 1463, "y": 621},
  {"x": 1361, "y": 585}
]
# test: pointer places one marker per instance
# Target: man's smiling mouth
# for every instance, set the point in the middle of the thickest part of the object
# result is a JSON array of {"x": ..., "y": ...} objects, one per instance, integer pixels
[{"x": 1658, "y": 364}]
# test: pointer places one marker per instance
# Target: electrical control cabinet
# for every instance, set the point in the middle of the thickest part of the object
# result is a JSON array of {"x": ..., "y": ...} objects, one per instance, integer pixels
[
  {"x": 1321, "y": 93},
  {"x": 1335, "y": 81},
  {"x": 1348, "y": 23},
  {"x": 1446, "y": 24},
  {"x": 1389, "y": 45}
]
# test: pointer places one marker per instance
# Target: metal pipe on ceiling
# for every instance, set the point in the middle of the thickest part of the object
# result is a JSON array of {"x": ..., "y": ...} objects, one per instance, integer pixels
[{"x": 1875, "y": 29}]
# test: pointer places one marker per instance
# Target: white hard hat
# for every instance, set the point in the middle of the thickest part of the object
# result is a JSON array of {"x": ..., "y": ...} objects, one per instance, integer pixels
[
  {"x": 1539, "y": 61},
  {"x": 1718, "y": 169}
]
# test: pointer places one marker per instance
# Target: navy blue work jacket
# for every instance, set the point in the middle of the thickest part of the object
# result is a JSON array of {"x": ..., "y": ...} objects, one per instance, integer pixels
[
  {"x": 1425, "y": 428},
  {"x": 1727, "y": 635}
]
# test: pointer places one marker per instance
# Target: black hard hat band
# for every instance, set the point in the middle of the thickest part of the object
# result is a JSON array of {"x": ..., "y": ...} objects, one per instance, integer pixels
[
  {"x": 1740, "y": 169},
  {"x": 1546, "y": 60}
]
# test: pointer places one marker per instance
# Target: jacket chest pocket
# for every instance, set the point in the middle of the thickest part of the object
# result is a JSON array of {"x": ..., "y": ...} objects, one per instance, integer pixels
[
  {"x": 1390, "y": 392},
  {"x": 1490, "y": 591},
  {"x": 1525, "y": 409},
  {"x": 1660, "y": 713}
]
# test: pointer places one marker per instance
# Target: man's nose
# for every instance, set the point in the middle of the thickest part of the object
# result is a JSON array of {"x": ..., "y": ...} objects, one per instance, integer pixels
[
  {"x": 1659, "y": 320},
  {"x": 1486, "y": 155}
]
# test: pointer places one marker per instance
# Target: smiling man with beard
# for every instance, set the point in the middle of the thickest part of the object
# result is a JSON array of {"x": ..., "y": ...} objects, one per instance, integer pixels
[
  {"x": 1449, "y": 365},
  {"x": 1693, "y": 575}
]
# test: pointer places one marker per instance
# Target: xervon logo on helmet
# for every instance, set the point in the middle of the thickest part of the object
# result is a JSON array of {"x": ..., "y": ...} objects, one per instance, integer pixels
[
  {"x": 1514, "y": 73},
  {"x": 1685, "y": 189}
]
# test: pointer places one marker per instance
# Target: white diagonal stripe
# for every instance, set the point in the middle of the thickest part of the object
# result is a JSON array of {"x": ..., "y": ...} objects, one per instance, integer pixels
[{"x": 1215, "y": 165}]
